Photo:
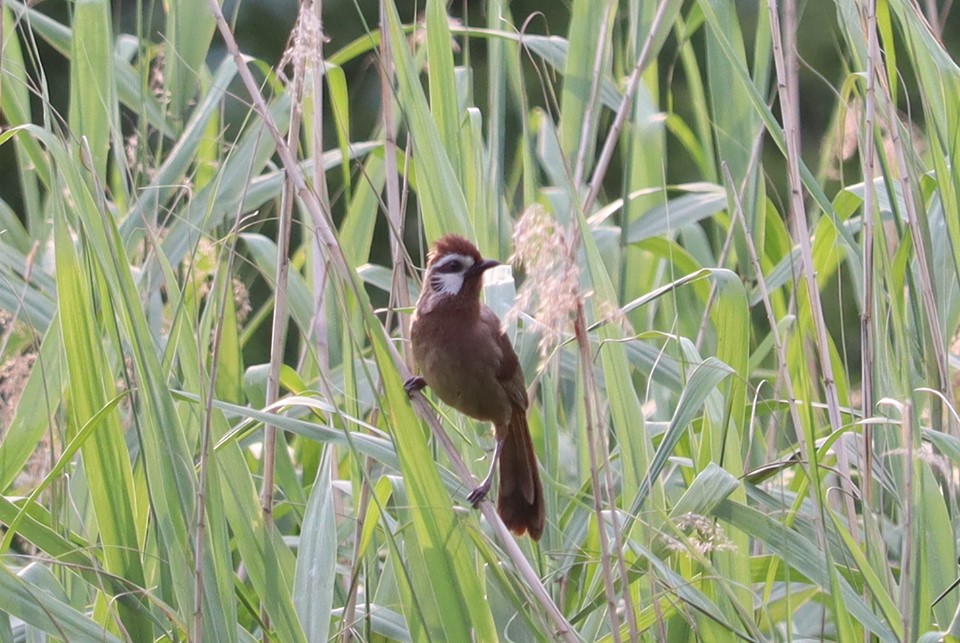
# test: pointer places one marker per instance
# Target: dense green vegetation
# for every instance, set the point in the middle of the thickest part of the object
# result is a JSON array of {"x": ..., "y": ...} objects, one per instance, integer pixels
[{"x": 743, "y": 386}]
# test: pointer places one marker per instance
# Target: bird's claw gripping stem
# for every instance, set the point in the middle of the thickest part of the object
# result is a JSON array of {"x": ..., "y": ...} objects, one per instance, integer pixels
[
  {"x": 479, "y": 493},
  {"x": 414, "y": 384}
]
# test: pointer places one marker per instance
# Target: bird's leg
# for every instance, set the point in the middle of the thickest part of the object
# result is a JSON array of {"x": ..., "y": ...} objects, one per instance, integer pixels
[
  {"x": 414, "y": 384},
  {"x": 481, "y": 491}
]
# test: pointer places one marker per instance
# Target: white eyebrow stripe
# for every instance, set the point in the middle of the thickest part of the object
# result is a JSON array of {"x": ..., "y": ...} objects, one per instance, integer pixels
[{"x": 467, "y": 261}]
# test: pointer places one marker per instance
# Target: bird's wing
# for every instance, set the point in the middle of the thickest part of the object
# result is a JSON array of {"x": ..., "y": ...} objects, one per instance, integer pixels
[{"x": 509, "y": 373}]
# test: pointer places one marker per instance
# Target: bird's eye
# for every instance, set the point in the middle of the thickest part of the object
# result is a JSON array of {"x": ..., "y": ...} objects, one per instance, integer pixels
[{"x": 451, "y": 267}]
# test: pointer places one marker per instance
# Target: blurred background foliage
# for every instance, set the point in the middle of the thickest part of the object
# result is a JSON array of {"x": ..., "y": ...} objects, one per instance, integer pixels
[
  {"x": 263, "y": 29},
  {"x": 203, "y": 441}
]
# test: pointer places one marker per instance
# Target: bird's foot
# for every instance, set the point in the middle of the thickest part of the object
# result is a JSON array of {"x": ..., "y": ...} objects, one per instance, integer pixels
[
  {"x": 479, "y": 493},
  {"x": 414, "y": 384}
]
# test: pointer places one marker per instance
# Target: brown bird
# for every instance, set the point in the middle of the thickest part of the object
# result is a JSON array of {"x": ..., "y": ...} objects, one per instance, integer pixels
[{"x": 465, "y": 357}]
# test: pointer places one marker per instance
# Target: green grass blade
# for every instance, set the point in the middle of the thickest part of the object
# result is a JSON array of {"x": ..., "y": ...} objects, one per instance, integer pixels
[
  {"x": 190, "y": 27},
  {"x": 46, "y": 612},
  {"x": 106, "y": 463},
  {"x": 317, "y": 558},
  {"x": 439, "y": 192},
  {"x": 93, "y": 103}
]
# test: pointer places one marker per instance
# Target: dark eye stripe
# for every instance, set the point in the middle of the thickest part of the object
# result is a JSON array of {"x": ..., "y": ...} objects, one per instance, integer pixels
[{"x": 451, "y": 267}]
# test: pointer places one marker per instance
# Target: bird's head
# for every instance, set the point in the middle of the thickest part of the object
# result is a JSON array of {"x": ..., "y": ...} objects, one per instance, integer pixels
[{"x": 454, "y": 272}]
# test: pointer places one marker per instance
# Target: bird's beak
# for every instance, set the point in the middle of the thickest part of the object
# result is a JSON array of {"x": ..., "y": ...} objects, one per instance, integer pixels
[{"x": 478, "y": 269}]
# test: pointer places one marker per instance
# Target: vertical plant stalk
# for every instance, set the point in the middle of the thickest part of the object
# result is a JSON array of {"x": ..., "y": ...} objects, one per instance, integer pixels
[
  {"x": 712, "y": 297},
  {"x": 597, "y": 447},
  {"x": 785, "y": 60},
  {"x": 320, "y": 328},
  {"x": 783, "y": 368},
  {"x": 203, "y": 465},
  {"x": 277, "y": 341},
  {"x": 755, "y": 152},
  {"x": 912, "y": 202},
  {"x": 935, "y": 18},
  {"x": 906, "y": 555},
  {"x": 320, "y": 185},
  {"x": 323, "y": 227},
  {"x": 398, "y": 291},
  {"x": 593, "y": 101},
  {"x": 869, "y": 203},
  {"x": 207, "y": 400},
  {"x": 807, "y": 452},
  {"x": 626, "y": 106},
  {"x": 580, "y": 326},
  {"x": 320, "y": 271},
  {"x": 589, "y": 401},
  {"x": 278, "y": 323},
  {"x": 350, "y": 605},
  {"x": 603, "y": 494}
]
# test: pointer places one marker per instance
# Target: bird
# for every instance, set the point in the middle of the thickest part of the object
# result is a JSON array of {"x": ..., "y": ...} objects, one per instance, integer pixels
[{"x": 465, "y": 357}]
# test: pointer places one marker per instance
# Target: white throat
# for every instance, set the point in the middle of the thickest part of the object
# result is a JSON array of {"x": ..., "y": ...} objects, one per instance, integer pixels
[
  {"x": 446, "y": 285},
  {"x": 447, "y": 275}
]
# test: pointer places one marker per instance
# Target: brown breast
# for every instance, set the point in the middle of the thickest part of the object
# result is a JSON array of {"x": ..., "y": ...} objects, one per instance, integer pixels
[{"x": 460, "y": 356}]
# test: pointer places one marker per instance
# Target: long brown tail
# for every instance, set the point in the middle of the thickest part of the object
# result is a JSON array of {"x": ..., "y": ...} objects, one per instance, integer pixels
[{"x": 520, "y": 500}]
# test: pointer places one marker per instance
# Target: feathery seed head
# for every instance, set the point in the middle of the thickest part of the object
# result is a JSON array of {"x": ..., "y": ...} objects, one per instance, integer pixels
[{"x": 553, "y": 278}]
